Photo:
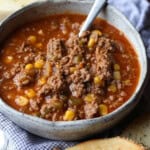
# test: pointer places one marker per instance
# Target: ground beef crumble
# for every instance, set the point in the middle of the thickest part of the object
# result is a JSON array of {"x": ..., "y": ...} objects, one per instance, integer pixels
[{"x": 70, "y": 67}]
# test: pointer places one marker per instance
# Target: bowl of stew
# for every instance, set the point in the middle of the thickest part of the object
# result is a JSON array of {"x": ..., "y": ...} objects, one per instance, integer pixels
[{"x": 59, "y": 86}]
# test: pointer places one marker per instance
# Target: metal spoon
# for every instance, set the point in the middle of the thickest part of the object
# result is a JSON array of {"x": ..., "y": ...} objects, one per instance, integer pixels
[{"x": 96, "y": 8}]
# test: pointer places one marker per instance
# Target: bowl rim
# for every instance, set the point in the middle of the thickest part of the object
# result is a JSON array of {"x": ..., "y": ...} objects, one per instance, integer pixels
[{"x": 79, "y": 122}]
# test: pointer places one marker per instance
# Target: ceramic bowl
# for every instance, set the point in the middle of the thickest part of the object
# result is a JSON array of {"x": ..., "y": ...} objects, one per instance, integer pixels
[{"x": 73, "y": 130}]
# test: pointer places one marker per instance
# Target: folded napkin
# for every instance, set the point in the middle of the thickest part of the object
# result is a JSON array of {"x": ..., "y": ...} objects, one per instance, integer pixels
[{"x": 138, "y": 12}]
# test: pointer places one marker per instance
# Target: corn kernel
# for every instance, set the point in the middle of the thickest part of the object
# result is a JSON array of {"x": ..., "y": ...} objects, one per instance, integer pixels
[
  {"x": 8, "y": 59},
  {"x": 32, "y": 39},
  {"x": 39, "y": 64},
  {"x": 117, "y": 75},
  {"x": 73, "y": 69},
  {"x": 112, "y": 88},
  {"x": 21, "y": 101},
  {"x": 116, "y": 67},
  {"x": 97, "y": 80},
  {"x": 127, "y": 82},
  {"x": 30, "y": 93},
  {"x": 91, "y": 43},
  {"x": 69, "y": 115},
  {"x": 89, "y": 98},
  {"x": 42, "y": 81},
  {"x": 29, "y": 67},
  {"x": 97, "y": 32},
  {"x": 103, "y": 109}
]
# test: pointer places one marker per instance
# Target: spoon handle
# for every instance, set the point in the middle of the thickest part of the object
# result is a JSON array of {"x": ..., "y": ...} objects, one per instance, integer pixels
[{"x": 97, "y": 6}]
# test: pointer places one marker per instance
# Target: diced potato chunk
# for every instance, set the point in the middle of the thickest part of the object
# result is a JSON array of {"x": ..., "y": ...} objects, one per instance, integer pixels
[
  {"x": 91, "y": 43},
  {"x": 116, "y": 67},
  {"x": 8, "y": 59},
  {"x": 97, "y": 80},
  {"x": 103, "y": 109},
  {"x": 112, "y": 88},
  {"x": 29, "y": 67},
  {"x": 30, "y": 93},
  {"x": 117, "y": 75},
  {"x": 22, "y": 101},
  {"x": 39, "y": 64},
  {"x": 32, "y": 39},
  {"x": 69, "y": 115},
  {"x": 89, "y": 98}
]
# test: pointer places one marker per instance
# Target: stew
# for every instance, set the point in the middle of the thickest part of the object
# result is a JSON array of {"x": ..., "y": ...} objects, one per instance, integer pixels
[{"x": 47, "y": 71}]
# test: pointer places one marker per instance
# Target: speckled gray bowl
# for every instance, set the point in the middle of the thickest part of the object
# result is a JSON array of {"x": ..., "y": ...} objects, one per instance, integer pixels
[{"x": 73, "y": 130}]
